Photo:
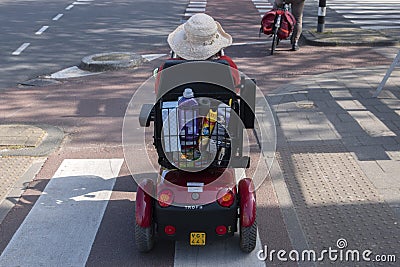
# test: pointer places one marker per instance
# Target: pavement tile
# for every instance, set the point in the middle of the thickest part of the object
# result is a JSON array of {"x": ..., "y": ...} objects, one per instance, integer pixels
[
  {"x": 376, "y": 129},
  {"x": 385, "y": 108},
  {"x": 387, "y": 93},
  {"x": 341, "y": 93},
  {"x": 345, "y": 117},
  {"x": 350, "y": 141},
  {"x": 300, "y": 96},
  {"x": 315, "y": 96},
  {"x": 347, "y": 127},
  {"x": 330, "y": 106},
  {"x": 363, "y": 116},
  {"x": 394, "y": 155},
  {"x": 369, "y": 140},
  {"x": 317, "y": 117},
  {"x": 392, "y": 196},
  {"x": 391, "y": 167},
  {"x": 11, "y": 168},
  {"x": 333, "y": 198},
  {"x": 397, "y": 123},
  {"x": 369, "y": 136},
  {"x": 380, "y": 178},
  {"x": 368, "y": 153},
  {"x": 350, "y": 105}
]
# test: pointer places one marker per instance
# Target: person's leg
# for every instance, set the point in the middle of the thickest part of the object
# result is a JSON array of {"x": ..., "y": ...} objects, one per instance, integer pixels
[
  {"x": 278, "y": 3},
  {"x": 297, "y": 11}
]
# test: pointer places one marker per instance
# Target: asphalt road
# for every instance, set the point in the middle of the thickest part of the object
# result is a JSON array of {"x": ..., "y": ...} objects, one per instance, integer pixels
[{"x": 85, "y": 27}]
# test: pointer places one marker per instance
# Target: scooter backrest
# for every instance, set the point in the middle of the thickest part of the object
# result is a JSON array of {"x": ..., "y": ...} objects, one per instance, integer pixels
[{"x": 207, "y": 79}]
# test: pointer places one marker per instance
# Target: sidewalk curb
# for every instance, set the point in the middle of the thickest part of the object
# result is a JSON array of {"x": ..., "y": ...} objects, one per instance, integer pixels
[
  {"x": 48, "y": 145},
  {"x": 310, "y": 38}
]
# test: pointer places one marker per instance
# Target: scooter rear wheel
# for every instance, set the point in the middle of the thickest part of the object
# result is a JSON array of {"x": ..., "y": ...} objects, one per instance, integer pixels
[
  {"x": 144, "y": 237},
  {"x": 248, "y": 237}
]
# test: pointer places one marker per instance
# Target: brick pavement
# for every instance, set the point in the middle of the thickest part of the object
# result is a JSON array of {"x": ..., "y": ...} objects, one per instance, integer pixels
[
  {"x": 338, "y": 149},
  {"x": 22, "y": 151}
]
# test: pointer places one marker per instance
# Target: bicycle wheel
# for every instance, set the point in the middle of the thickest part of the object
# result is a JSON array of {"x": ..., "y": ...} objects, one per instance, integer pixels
[{"x": 275, "y": 41}]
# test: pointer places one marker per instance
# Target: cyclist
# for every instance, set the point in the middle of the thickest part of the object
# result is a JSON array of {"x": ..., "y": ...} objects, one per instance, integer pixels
[{"x": 297, "y": 11}]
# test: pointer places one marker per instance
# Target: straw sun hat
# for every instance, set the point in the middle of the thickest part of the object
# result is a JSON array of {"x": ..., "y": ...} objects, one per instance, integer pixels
[{"x": 198, "y": 38}]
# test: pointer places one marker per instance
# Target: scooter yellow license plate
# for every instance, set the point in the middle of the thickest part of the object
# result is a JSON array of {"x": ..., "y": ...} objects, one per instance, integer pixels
[{"x": 197, "y": 239}]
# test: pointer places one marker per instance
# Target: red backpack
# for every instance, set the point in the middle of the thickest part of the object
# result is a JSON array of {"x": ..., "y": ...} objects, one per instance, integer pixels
[{"x": 287, "y": 23}]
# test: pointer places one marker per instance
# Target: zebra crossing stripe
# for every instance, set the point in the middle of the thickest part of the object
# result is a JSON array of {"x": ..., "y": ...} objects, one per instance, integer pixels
[
  {"x": 220, "y": 253},
  {"x": 376, "y": 22},
  {"x": 195, "y": 9},
  {"x": 369, "y": 14},
  {"x": 373, "y": 8},
  {"x": 62, "y": 225},
  {"x": 373, "y": 17}
]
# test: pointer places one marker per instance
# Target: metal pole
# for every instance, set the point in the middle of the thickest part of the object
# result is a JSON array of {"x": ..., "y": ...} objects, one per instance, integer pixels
[
  {"x": 321, "y": 15},
  {"x": 395, "y": 62}
]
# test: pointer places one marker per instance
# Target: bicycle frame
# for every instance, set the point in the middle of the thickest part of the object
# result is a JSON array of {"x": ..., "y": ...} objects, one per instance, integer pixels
[{"x": 275, "y": 39}]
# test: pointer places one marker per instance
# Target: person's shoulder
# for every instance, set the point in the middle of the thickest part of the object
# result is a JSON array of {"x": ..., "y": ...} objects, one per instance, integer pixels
[
  {"x": 229, "y": 60},
  {"x": 226, "y": 57}
]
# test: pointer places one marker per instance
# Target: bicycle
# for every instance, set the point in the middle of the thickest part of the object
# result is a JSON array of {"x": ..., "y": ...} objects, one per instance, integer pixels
[{"x": 277, "y": 25}]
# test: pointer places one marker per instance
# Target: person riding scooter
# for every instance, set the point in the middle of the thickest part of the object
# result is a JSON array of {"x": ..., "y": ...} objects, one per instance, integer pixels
[{"x": 201, "y": 38}]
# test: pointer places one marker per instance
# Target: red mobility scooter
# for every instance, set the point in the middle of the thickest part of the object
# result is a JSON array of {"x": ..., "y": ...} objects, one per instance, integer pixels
[{"x": 196, "y": 197}]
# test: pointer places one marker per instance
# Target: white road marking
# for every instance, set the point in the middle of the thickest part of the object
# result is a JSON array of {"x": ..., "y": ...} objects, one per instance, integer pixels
[
  {"x": 189, "y": 14},
  {"x": 197, "y": 5},
  {"x": 41, "y": 30},
  {"x": 20, "y": 49},
  {"x": 62, "y": 225},
  {"x": 363, "y": 2},
  {"x": 71, "y": 72},
  {"x": 262, "y": 6},
  {"x": 372, "y": 17},
  {"x": 219, "y": 253},
  {"x": 69, "y": 7},
  {"x": 369, "y": 14},
  {"x": 240, "y": 173},
  {"x": 358, "y": 7},
  {"x": 249, "y": 43},
  {"x": 81, "y": 3},
  {"x": 58, "y": 17},
  {"x": 150, "y": 57},
  {"x": 377, "y": 27},
  {"x": 375, "y": 22},
  {"x": 195, "y": 9}
]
